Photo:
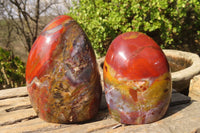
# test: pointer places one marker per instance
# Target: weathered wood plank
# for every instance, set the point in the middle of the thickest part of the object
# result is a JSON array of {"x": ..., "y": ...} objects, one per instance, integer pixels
[
  {"x": 177, "y": 119},
  {"x": 16, "y": 116},
  {"x": 28, "y": 126},
  {"x": 11, "y": 104},
  {"x": 38, "y": 125},
  {"x": 183, "y": 118},
  {"x": 13, "y": 92},
  {"x": 89, "y": 127}
]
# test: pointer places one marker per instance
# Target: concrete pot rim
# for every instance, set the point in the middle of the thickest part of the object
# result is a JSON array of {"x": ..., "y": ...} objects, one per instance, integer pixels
[{"x": 186, "y": 73}]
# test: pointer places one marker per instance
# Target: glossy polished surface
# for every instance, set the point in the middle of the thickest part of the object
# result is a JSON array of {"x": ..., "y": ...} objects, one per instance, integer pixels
[
  {"x": 62, "y": 77},
  {"x": 137, "y": 79}
]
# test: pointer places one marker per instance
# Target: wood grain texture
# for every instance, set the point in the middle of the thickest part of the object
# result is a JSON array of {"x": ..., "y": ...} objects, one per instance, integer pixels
[
  {"x": 11, "y": 93},
  {"x": 182, "y": 117}
]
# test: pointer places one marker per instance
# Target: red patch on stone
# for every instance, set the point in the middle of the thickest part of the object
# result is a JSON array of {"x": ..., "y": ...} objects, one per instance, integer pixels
[{"x": 133, "y": 94}]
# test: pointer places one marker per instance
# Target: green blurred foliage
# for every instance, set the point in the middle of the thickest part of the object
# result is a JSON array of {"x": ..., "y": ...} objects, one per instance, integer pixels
[
  {"x": 12, "y": 70},
  {"x": 171, "y": 23}
]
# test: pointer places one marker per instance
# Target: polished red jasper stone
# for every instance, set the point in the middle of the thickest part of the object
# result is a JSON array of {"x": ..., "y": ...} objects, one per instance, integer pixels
[
  {"x": 137, "y": 79},
  {"x": 62, "y": 77}
]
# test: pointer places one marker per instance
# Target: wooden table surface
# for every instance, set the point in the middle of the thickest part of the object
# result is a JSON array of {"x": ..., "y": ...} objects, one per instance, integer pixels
[{"x": 18, "y": 116}]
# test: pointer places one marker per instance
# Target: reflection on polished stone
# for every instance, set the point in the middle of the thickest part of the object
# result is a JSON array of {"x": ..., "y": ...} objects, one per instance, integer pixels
[
  {"x": 62, "y": 77},
  {"x": 137, "y": 79}
]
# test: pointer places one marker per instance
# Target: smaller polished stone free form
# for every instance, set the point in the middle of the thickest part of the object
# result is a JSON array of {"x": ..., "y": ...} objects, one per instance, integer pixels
[
  {"x": 62, "y": 76},
  {"x": 137, "y": 79}
]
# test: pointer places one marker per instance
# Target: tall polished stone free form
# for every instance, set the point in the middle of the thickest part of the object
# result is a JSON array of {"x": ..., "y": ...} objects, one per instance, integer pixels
[
  {"x": 137, "y": 79},
  {"x": 62, "y": 77}
]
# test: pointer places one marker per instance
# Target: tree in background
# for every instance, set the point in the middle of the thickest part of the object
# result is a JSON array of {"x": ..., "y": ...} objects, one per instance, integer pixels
[
  {"x": 171, "y": 23},
  {"x": 21, "y": 21},
  {"x": 24, "y": 17},
  {"x": 12, "y": 70}
]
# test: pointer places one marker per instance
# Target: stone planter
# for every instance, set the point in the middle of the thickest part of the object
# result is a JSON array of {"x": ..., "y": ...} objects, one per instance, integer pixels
[{"x": 184, "y": 66}]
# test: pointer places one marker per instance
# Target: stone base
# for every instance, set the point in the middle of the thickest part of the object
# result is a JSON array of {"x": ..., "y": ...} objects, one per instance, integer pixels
[{"x": 194, "y": 90}]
